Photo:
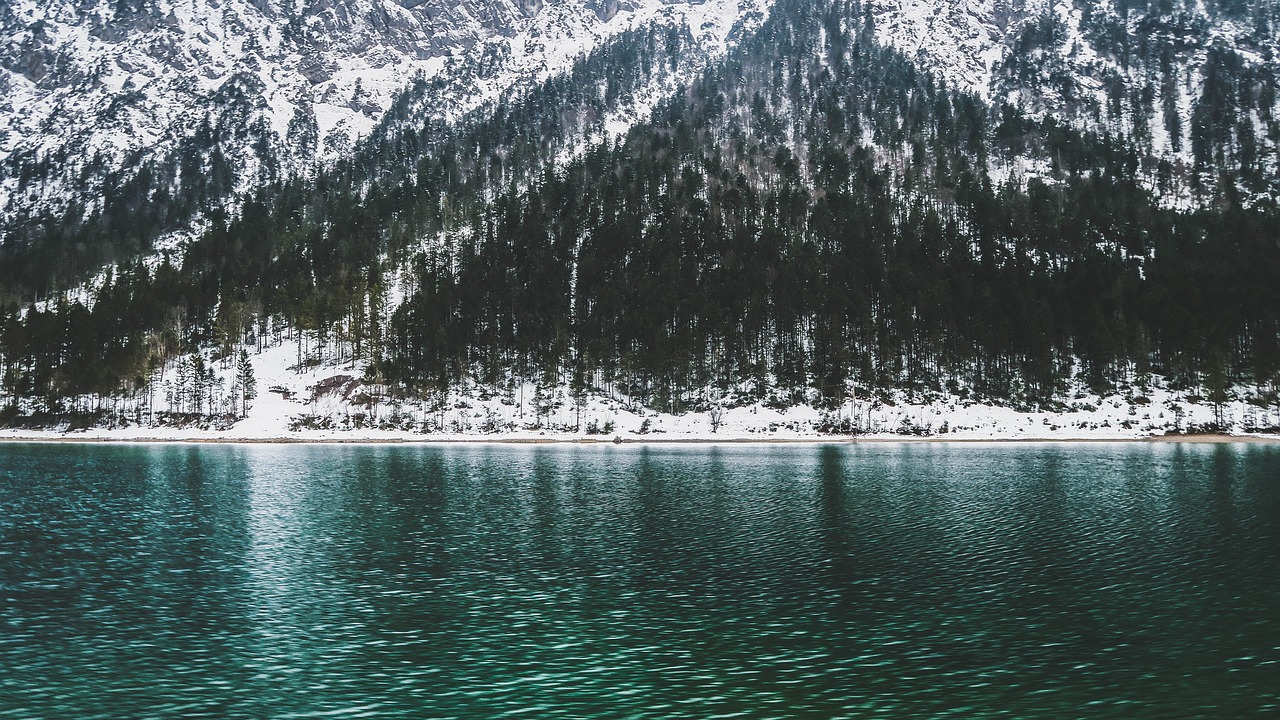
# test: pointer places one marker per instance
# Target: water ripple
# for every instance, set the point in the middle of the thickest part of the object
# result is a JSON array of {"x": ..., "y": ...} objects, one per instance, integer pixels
[{"x": 571, "y": 582}]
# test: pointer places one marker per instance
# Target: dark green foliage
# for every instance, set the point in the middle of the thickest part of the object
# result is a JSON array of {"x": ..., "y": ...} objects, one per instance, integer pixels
[{"x": 246, "y": 386}]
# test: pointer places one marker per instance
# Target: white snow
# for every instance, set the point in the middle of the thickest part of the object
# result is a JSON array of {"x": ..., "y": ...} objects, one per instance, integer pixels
[
  {"x": 346, "y": 72},
  {"x": 480, "y": 414}
]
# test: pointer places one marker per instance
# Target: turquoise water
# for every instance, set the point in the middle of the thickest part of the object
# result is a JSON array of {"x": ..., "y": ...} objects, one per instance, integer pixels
[{"x": 624, "y": 582}]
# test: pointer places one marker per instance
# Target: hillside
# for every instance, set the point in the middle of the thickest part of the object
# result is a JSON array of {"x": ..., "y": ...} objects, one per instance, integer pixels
[{"x": 181, "y": 106}]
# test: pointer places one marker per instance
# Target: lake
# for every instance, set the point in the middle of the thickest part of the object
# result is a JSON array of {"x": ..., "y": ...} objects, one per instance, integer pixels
[{"x": 486, "y": 581}]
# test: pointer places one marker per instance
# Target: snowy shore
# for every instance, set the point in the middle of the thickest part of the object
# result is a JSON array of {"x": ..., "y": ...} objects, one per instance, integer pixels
[
  {"x": 329, "y": 403},
  {"x": 340, "y": 439}
]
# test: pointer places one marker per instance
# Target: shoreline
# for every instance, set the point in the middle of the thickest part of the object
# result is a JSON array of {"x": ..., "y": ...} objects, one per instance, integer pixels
[
  {"x": 297, "y": 410},
  {"x": 1198, "y": 439}
]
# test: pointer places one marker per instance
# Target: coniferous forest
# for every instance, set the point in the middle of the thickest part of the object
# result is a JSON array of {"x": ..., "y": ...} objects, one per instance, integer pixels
[{"x": 811, "y": 217}]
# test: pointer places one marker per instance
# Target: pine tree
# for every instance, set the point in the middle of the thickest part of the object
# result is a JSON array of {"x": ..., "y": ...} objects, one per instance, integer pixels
[
  {"x": 199, "y": 383},
  {"x": 1217, "y": 384},
  {"x": 245, "y": 382},
  {"x": 182, "y": 387}
]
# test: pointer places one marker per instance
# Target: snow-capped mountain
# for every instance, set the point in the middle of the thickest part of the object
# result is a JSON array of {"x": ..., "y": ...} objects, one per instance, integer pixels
[
  {"x": 87, "y": 86},
  {"x": 1179, "y": 78}
]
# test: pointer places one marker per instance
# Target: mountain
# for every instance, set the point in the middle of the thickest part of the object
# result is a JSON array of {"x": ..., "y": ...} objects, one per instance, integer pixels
[
  {"x": 790, "y": 213},
  {"x": 1192, "y": 85},
  {"x": 203, "y": 100},
  {"x": 91, "y": 88}
]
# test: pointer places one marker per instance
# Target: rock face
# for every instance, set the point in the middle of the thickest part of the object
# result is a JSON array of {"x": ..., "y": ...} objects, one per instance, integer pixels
[
  {"x": 961, "y": 40},
  {"x": 93, "y": 84},
  {"x": 88, "y": 87},
  {"x": 1134, "y": 68}
]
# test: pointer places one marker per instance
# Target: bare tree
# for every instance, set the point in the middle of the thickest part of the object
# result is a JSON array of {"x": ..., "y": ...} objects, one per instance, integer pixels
[{"x": 715, "y": 413}]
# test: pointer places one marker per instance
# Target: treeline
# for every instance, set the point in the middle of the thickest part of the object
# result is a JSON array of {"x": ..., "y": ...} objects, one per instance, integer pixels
[
  {"x": 660, "y": 278},
  {"x": 801, "y": 225},
  {"x": 103, "y": 211},
  {"x": 811, "y": 217}
]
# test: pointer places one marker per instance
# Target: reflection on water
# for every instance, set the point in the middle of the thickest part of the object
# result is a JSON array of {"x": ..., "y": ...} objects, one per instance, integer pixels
[{"x": 490, "y": 581}]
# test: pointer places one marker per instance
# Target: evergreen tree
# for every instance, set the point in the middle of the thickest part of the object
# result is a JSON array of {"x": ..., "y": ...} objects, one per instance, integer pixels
[{"x": 245, "y": 384}]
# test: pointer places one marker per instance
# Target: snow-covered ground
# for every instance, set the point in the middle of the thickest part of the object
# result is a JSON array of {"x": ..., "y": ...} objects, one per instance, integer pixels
[{"x": 331, "y": 403}]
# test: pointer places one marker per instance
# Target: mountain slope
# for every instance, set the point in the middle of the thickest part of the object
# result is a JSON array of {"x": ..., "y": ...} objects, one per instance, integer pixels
[
  {"x": 1193, "y": 85},
  {"x": 111, "y": 142},
  {"x": 91, "y": 86}
]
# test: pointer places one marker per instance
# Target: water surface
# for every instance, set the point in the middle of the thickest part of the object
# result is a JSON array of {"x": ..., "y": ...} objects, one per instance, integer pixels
[{"x": 1050, "y": 581}]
